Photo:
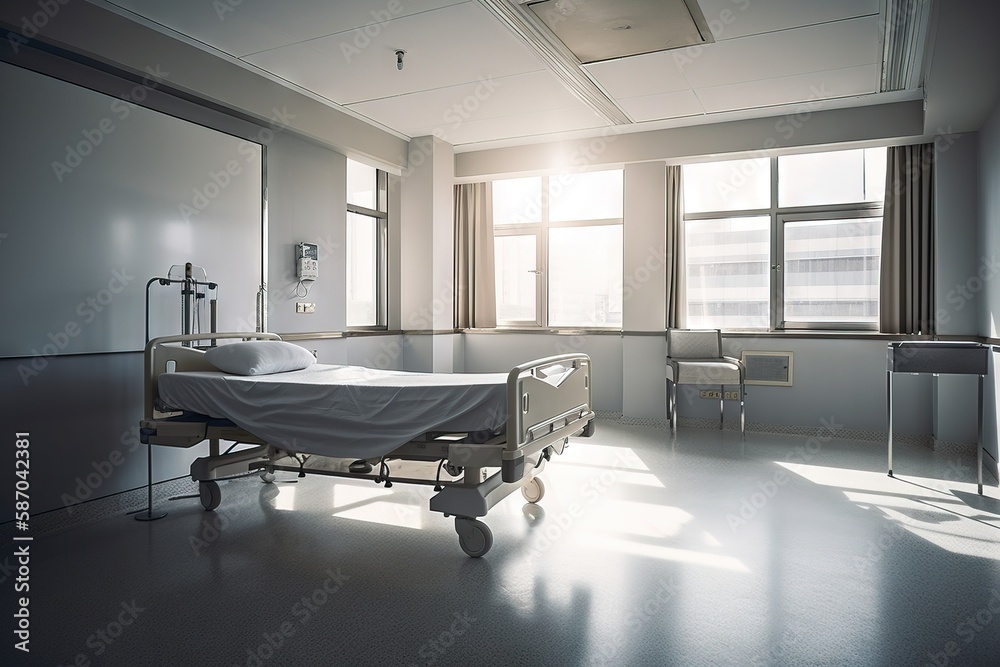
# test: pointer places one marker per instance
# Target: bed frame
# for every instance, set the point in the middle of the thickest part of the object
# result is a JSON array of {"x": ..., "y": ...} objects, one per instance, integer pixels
[{"x": 548, "y": 400}]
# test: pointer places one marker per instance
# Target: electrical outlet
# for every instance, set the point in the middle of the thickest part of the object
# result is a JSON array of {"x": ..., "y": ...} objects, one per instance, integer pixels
[
  {"x": 305, "y": 307},
  {"x": 716, "y": 395}
]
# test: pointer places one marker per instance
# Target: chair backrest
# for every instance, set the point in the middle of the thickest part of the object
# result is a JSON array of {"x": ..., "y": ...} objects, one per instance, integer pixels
[{"x": 694, "y": 343}]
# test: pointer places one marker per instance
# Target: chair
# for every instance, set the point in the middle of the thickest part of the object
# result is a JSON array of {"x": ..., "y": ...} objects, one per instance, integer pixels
[{"x": 694, "y": 356}]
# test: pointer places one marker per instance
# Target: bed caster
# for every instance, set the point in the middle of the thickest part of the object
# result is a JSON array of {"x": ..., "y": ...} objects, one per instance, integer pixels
[
  {"x": 267, "y": 477},
  {"x": 210, "y": 494},
  {"x": 453, "y": 470},
  {"x": 589, "y": 429},
  {"x": 474, "y": 536},
  {"x": 533, "y": 490}
]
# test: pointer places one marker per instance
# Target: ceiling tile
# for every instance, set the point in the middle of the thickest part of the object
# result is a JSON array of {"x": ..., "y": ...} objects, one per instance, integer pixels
[
  {"x": 729, "y": 19},
  {"x": 444, "y": 47},
  {"x": 640, "y": 75},
  {"x": 788, "y": 90},
  {"x": 799, "y": 51},
  {"x": 221, "y": 26},
  {"x": 666, "y": 105},
  {"x": 522, "y": 125},
  {"x": 445, "y": 108}
]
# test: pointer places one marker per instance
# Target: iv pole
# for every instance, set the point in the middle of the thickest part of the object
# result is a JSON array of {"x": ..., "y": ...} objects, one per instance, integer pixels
[{"x": 189, "y": 288}]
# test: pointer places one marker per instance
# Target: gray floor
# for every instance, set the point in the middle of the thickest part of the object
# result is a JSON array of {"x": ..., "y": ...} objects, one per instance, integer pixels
[{"x": 646, "y": 550}]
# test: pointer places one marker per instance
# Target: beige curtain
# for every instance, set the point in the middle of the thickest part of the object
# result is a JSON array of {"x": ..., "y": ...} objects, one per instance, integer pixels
[
  {"x": 906, "y": 297},
  {"x": 475, "y": 294},
  {"x": 675, "y": 249}
]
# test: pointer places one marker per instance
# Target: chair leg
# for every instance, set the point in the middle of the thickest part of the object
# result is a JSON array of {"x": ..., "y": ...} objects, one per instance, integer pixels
[
  {"x": 743, "y": 421},
  {"x": 722, "y": 404},
  {"x": 672, "y": 401}
]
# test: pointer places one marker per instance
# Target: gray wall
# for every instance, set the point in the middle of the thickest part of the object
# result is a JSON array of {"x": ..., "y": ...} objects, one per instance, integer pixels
[{"x": 76, "y": 250}]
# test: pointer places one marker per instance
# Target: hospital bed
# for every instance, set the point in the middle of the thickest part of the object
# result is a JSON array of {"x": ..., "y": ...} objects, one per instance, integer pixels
[{"x": 490, "y": 434}]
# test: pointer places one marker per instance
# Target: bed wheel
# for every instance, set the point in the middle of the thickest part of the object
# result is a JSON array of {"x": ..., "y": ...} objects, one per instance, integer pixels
[
  {"x": 533, "y": 490},
  {"x": 267, "y": 477},
  {"x": 475, "y": 536},
  {"x": 210, "y": 495},
  {"x": 589, "y": 429},
  {"x": 453, "y": 470}
]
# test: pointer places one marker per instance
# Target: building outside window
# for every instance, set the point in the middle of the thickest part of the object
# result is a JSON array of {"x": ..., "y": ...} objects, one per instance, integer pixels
[
  {"x": 558, "y": 250},
  {"x": 788, "y": 242},
  {"x": 367, "y": 245}
]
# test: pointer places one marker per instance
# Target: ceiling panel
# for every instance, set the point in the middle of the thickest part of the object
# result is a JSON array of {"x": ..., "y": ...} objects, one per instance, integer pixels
[
  {"x": 234, "y": 32},
  {"x": 444, "y": 108},
  {"x": 800, "y": 51},
  {"x": 729, "y": 19},
  {"x": 788, "y": 90},
  {"x": 524, "y": 125},
  {"x": 640, "y": 75},
  {"x": 666, "y": 105},
  {"x": 445, "y": 47}
]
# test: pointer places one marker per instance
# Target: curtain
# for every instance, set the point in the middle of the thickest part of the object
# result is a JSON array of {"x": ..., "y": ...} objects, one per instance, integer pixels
[
  {"x": 675, "y": 249},
  {"x": 906, "y": 296},
  {"x": 475, "y": 293}
]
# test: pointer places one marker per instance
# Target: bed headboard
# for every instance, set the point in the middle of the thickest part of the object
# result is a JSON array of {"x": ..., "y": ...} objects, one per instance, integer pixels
[{"x": 167, "y": 354}]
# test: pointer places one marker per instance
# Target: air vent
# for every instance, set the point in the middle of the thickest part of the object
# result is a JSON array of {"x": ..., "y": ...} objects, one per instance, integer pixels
[
  {"x": 768, "y": 368},
  {"x": 906, "y": 23},
  {"x": 598, "y": 30}
]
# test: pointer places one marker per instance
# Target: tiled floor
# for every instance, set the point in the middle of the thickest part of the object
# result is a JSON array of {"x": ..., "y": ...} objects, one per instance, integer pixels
[{"x": 646, "y": 550}]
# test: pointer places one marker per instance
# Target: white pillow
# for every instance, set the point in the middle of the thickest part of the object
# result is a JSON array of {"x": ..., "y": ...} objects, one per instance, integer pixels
[{"x": 259, "y": 357}]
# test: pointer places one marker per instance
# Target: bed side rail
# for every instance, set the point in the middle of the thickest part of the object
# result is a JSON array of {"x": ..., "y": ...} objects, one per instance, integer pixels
[
  {"x": 160, "y": 352},
  {"x": 547, "y": 399}
]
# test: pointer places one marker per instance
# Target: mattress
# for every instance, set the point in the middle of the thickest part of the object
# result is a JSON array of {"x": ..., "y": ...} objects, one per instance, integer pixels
[{"x": 342, "y": 411}]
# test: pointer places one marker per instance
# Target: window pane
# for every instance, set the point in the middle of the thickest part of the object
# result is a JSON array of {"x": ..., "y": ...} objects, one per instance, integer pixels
[
  {"x": 838, "y": 177},
  {"x": 728, "y": 270},
  {"x": 362, "y": 270},
  {"x": 517, "y": 200},
  {"x": 831, "y": 270},
  {"x": 734, "y": 185},
  {"x": 593, "y": 195},
  {"x": 362, "y": 183},
  {"x": 515, "y": 278},
  {"x": 585, "y": 276}
]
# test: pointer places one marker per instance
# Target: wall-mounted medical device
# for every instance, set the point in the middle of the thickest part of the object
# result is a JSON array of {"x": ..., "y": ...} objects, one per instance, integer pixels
[{"x": 307, "y": 262}]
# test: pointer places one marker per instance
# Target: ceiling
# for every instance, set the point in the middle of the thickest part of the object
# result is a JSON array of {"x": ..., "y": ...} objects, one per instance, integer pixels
[{"x": 487, "y": 73}]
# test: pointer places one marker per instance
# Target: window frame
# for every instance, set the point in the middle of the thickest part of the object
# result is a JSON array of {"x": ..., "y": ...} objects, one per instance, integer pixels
[
  {"x": 381, "y": 217},
  {"x": 777, "y": 216},
  {"x": 540, "y": 230}
]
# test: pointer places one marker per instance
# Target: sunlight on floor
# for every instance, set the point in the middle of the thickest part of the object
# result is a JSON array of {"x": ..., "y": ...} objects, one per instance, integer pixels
[
  {"x": 927, "y": 508},
  {"x": 359, "y": 503}
]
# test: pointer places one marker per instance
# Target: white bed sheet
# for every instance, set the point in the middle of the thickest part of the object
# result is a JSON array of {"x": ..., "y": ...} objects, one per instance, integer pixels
[{"x": 342, "y": 411}]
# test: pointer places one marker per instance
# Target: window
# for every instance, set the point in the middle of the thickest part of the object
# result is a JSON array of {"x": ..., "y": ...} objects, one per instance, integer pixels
[
  {"x": 791, "y": 242},
  {"x": 367, "y": 246},
  {"x": 558, "y": 249}
]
